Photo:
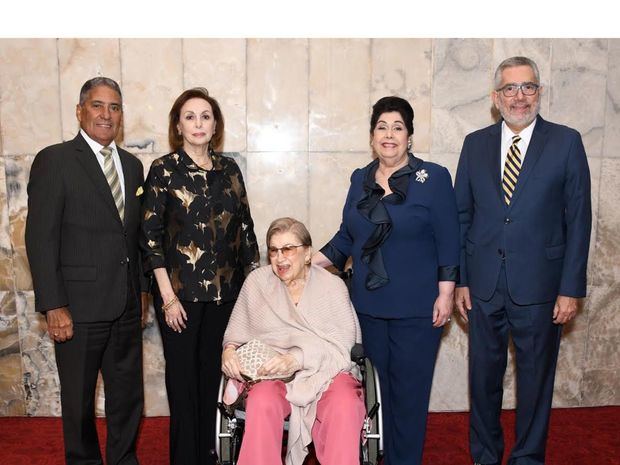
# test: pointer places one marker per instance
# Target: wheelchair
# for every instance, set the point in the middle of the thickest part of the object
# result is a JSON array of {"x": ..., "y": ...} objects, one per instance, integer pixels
[{"x": 230, "y": 424}]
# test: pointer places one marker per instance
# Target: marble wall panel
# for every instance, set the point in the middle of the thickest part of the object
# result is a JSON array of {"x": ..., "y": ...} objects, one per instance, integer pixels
[
  {"x": 595, "y": 165},
  {"x": 603, "y": 348},
  {"x": 605, "y": 269},
  {"x": 578, "y": 82},
  {"x": 403, "y": 67},
  {"x": 80, "y": 60},
  {"x": 152, "y": 74},
  {"x": 17, "y": 173},
  {"x": 569, "y": 372},
  {"x": 601, "y": 370},
  {"x": 29, "y": 93},
  {"x": 277, "y": 186},
  {"x": 462, "y": 81},
  {"x": 450, "y": 389},
  {"x": 277, "y": 95},
  {"x": 11, "y": 387},
  {"x": 155, "y": 399},
  {"x": 339, "y": 94},
  {"x": 219, "y": 65},
  {"x": 447, "y": 160},
  {"x": 242, "y": 161},
  {"x": 329, "y": 182},
  {"x": 510, "y": 380},
  {"x": 6, "y": 252},
  {"x": 600, "y": 387},
  {"x": 538, "y": 50},
  {"x": 40, "y": 377},
  {"x": 612, "y": 108},
  {"x": 147, "y": 159},
  {"x": 272, "y": 93}
]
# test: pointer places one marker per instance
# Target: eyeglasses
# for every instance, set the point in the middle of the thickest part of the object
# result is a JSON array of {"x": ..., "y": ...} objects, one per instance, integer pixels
[
  {"x": 287, "y": 251},
  {"x": 527, "y": 88}
]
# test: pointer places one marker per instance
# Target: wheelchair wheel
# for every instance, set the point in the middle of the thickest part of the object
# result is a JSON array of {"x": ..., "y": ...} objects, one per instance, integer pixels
[
  {"x": 228, "y": 432},
  {"x": 371, "y": 449}
]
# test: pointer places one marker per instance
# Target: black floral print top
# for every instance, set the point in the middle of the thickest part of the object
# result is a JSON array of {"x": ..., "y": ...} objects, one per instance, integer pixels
[{"x": 197, "y": 224}]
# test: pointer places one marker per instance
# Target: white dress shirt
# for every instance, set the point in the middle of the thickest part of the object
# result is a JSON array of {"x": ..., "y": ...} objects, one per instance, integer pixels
[
  {"x": 96, "y": 148},
  {"x": 507, "y": 134}
]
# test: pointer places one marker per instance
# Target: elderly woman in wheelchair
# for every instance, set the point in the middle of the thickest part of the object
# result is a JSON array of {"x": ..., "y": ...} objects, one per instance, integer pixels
[{"x": 303, "y": 313}]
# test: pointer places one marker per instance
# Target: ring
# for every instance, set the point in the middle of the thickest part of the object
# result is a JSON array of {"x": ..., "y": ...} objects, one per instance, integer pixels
[
  {"x": 449, "y": 319},
  {"x": 55, "y": 334}
]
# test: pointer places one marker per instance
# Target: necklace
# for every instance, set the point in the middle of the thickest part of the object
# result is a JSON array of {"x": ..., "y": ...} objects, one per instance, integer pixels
[{"x": 205, "y": 166}]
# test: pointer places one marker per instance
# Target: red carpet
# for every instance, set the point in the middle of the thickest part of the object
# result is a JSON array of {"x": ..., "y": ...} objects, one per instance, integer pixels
[{"x": 580, "y": 436}]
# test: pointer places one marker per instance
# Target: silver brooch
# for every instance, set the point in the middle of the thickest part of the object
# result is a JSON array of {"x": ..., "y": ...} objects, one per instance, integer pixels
[{"x": 421, "y": 176}]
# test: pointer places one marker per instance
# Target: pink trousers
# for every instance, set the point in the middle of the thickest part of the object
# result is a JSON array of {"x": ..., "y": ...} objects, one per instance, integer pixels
[{"x": 336, "y": 431}]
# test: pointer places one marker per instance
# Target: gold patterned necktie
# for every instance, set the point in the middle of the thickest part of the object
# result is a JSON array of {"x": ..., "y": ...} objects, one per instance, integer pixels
[
  {"x": 512, "y": 168},
  {"x": 109, "y": 170}
]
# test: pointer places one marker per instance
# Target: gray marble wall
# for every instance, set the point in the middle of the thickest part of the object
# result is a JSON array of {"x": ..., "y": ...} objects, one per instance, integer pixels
[{"x": 297, "y": 115}]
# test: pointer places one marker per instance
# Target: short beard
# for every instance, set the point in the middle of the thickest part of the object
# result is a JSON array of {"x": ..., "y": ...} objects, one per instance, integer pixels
[{"x": 526, "y": 121}]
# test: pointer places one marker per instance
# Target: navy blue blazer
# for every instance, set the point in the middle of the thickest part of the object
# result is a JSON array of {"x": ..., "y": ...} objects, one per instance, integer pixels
[
  {"x": 543, "y": 236},
  {"x": 424, "y": 238}
]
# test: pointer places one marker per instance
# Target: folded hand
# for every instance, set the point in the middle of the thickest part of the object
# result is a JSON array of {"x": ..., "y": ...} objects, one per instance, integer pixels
[
  {"x": 230, "y": 363},
  {"x": 284, "y": 365}
]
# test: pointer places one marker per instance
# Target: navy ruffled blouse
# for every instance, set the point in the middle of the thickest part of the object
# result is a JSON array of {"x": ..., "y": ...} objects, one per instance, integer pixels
[{"x": 403, "y": 243}]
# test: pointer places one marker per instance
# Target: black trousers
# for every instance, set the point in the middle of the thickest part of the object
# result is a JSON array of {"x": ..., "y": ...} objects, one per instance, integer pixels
[
  {"x": 115, "y": 348},
  {"x": 537, "y": 341},
  {"x": 193, "y": 372}
]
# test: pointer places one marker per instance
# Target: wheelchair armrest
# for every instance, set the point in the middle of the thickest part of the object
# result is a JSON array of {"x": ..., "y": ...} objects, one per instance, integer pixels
[{"x": 357, "y": 354}]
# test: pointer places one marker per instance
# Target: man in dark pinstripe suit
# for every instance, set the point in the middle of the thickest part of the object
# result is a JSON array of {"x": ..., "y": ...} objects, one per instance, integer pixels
[{"x": 82, "y": 245}]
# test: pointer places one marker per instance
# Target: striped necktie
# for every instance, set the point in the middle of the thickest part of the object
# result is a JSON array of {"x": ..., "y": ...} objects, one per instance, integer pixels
[
  {"x": 512, "y": 168},
  {"x": 109, "y": 170}
]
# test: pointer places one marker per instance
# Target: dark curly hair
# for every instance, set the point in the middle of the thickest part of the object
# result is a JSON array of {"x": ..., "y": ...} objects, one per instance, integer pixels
[{"x": 389, "y": 104}]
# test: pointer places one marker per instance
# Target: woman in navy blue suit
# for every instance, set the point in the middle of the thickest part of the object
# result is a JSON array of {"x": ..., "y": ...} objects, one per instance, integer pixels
[{"x": 400, "y": 226}]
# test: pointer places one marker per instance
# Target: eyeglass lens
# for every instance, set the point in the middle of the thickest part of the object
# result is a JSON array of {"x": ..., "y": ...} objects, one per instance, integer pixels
[
  {"x": 527, "y": 88},
  {"x": 287, "y": 250}
]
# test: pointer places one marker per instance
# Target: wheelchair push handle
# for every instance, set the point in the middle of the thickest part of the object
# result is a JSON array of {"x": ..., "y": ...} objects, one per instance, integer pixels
[{"x": 357, "y": 354}]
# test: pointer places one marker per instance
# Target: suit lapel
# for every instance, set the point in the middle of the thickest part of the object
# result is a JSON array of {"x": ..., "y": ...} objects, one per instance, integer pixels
[
  {"x": 494, "y": 146},
  {"x": 89, "y": 163},
  {"x": 534, "y": 151}
]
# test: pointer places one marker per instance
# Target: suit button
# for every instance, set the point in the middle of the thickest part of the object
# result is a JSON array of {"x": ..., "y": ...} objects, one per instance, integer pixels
[
  {"x": 123, "y": 262},
  {"x": 506, "y": 220}
]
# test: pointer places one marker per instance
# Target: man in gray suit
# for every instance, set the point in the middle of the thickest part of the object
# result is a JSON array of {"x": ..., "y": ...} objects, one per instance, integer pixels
[{"x": 82, "y": 244}]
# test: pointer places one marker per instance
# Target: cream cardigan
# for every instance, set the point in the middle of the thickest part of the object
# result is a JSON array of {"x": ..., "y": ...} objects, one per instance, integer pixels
[{"x": 319, "y": 332}]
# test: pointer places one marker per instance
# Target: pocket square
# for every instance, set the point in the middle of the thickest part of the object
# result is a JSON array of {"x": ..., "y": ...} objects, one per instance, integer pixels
[{"x": 139, "y": 192}]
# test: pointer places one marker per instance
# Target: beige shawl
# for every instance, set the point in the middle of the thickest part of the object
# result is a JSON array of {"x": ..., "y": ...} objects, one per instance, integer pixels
[{"x": 319, "y": 332}]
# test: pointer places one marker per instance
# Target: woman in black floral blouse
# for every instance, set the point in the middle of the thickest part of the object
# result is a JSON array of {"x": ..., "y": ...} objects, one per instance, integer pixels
[{"x": 198, "y": 240}]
